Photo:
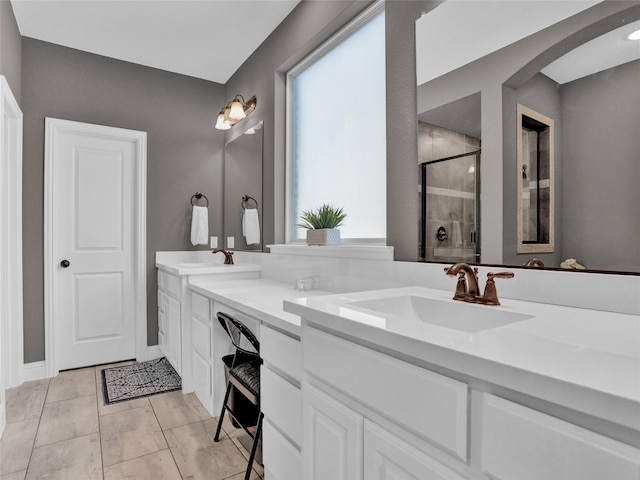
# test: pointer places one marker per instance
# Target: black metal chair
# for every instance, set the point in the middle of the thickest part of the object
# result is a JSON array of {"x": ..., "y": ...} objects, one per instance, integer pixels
[{"x": 243, "y": 378}]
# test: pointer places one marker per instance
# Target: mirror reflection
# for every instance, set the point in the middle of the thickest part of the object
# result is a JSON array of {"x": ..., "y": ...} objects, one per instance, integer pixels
[
  {"x": 584, "y": 74},
  {"x": 243, "y": 189},
  {"x": 535, "y": 134},
  {"x": 449, "y": 156}
]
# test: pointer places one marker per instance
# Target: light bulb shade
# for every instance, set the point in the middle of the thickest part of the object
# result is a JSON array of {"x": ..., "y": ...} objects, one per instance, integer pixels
[
  {"x": 220, "y": 125},
  {"x": 237, "y": 111},
  {"x": 225, "y": 114}
]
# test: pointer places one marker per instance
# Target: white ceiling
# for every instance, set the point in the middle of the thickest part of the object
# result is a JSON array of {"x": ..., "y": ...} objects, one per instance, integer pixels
[
  {"x": 607, "y": 51},
  {"x": 208, "y": 39},
  {"x": 471, "y": 29}
]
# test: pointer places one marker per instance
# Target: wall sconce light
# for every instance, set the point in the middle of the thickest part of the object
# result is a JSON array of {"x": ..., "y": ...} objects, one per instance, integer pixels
[{"x": 234, "y": 111}]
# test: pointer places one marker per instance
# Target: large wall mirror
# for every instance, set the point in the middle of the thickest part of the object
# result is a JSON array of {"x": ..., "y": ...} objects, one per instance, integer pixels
[
  {"x": 577, "y": 72},
  {"x": 243, "y": 187}
]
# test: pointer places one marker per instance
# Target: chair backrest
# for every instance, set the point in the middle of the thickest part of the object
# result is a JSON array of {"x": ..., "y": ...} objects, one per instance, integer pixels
[{"x": 237, "y": 331}]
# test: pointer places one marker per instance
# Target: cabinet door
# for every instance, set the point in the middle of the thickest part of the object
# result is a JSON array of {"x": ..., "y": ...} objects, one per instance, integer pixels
[
  {"x": 518, "y": 442},
  {"x": 282, "y": 460},
  {"x": 162, "y": 342},
  {"x": 332, "y": 447},
  {"x": 387, "y": 457},
  {"x": 173, "y": 332}
]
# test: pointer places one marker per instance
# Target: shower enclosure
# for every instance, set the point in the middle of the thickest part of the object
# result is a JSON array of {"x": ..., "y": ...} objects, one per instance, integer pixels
[{"x": 449, "y": 206}]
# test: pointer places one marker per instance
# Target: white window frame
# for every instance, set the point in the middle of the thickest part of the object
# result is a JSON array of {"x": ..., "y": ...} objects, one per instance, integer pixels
[{"x": 349, "y": 29}]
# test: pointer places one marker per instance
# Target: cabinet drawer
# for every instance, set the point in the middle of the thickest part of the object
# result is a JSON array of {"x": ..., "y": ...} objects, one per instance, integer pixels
[
  {"x": 431, "y": 405},
  {"x": 518, "y": 442},
  {"x": 172, "y": 284},
  {"x": 201, "y": 338},
  {"x": 281, "y": 352},
  {"x": 282, "y": 460},
  {"x": 200, "y": 306},
  {"x": 281, "y": 403}
]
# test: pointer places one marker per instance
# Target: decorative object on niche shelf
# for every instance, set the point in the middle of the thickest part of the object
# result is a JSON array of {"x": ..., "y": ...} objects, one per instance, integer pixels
[
  {"x": 572, "y": 264},
  {"x": 234, "y": 111},
  {"x": 322, "y": 225}
]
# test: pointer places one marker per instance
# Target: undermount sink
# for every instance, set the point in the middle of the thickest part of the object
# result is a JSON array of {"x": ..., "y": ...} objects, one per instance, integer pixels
[
  {"x": 203, "y": 265},
  {"x": 461, "y": 316}
]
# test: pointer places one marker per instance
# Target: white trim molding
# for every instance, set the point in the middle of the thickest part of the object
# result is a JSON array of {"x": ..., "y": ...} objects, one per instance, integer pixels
[
  {"x": 11, "y": 294},
  {"x": 34, "y": 371},
  {"x": 139, "y": 138}
]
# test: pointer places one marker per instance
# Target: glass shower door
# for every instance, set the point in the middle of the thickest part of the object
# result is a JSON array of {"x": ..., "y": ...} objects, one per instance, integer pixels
[{"x": 449, "y": 199}]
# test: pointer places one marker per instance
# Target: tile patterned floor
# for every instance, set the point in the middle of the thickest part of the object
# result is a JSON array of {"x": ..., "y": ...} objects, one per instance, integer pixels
[{"x": 60, "y": 428}]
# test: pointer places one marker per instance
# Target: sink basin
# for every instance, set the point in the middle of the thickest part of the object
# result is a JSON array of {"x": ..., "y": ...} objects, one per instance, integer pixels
[
  {"x": 203, "y": 265},
  {"x": 461, "y": 316}
]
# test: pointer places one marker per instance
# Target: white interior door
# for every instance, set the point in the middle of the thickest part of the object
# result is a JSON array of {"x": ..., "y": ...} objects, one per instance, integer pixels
[{"x": 93, "y": 224}]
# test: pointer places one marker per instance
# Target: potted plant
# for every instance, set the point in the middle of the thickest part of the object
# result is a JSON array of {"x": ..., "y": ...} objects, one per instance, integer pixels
[{"x": 322, "y": 225}]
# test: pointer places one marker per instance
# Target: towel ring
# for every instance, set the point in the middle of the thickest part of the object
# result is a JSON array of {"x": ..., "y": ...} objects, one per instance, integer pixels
[
  {"x": 245, "y": 199},
  {"x": 198, "y": 196}
]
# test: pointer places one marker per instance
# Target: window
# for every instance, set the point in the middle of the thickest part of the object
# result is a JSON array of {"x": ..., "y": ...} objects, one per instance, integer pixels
[{"x": 336, "y": 131}]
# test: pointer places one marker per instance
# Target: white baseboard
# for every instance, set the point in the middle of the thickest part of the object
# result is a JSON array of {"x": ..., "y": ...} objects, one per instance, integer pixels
[
  {"x": 37, "y": 370},
  {"x": 154, "y": 352},
  {"x": 33, "y": 371}
]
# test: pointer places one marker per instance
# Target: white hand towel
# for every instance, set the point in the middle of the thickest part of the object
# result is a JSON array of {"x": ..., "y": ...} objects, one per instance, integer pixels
[
  {"x": 251, "y": 226},
  {"x": 199, "y": 225}
]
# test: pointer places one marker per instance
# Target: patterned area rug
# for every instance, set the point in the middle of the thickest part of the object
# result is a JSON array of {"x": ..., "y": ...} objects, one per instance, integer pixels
[{"x": 139, "y": 380}]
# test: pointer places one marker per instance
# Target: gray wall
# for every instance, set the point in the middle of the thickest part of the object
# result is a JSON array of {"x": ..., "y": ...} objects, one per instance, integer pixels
[
  {"x": 263, "y": 75},
  {"x": 402, "y": 127},
  {"x": 600, "y": 116},
  {"x": 184, "y": 152},
  {"x": 10, "y": 49},
  {"x": 310, "y": 24}
]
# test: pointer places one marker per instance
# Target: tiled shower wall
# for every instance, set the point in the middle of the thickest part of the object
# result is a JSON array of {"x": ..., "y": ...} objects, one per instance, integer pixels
[{"x": 451, "y": 193}]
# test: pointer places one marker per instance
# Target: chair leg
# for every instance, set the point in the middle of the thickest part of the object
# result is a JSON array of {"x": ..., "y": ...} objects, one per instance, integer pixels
[
  {"x": 254, "y": 447},
  {"x": 224, "y": 408}
]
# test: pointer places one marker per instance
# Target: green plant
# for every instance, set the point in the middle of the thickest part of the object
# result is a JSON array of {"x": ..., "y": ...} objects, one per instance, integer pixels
[{"x": 325, "y": 216}]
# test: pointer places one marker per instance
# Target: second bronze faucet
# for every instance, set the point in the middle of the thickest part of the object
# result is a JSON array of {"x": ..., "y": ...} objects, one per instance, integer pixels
[{"x": 468, "y": 289}]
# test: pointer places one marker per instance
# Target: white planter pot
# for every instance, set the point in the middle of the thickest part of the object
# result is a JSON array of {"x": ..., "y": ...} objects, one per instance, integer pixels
[{"x": 323, "y": 236}]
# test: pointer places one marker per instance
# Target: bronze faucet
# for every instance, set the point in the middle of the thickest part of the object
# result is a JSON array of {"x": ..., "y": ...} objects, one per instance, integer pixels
[
  {"x": 534, "y": 262},
  {"x": 467, "y": 286},
  {"x": 228, "y": 256},
  {"x": 468, "y": 289}
]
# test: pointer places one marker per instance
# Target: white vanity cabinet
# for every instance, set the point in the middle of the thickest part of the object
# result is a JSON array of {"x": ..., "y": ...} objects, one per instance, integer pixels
[
  {"x": 202, "y": 352},
  {"x": 170, "y": 318},
  {"x": 175, "y": 315},
  {"x": 208, "y": 344},
  {"x": 368, "y": 415},
  {"x": 339, "y": 439},
  {"x": 281, "y": 399}
]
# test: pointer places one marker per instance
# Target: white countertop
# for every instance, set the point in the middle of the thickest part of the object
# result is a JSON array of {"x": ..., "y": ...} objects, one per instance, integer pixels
[
  {"x": 204, "y": 267},
  {"x": 261, "y": 298},
  {"x": 583, "y": 359}
]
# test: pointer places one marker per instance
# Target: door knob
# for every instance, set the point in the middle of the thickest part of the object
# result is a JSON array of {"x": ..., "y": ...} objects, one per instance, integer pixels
[{"x": 65, "y": 263}]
